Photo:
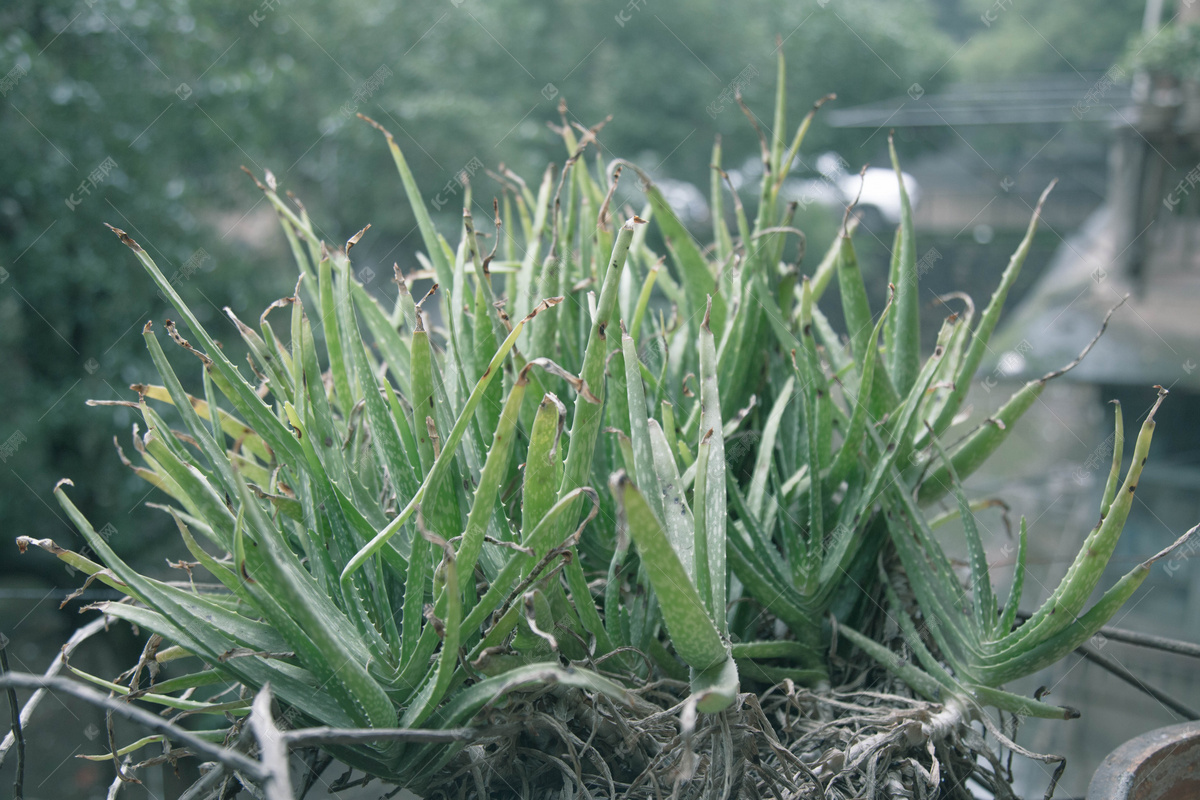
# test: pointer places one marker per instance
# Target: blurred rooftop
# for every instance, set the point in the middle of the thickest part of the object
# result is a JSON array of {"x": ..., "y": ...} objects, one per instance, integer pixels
[{"x": 1045, "y": 99}]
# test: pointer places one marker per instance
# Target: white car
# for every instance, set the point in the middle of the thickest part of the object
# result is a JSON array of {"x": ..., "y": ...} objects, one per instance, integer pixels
[{"x": 839, "y": 185}]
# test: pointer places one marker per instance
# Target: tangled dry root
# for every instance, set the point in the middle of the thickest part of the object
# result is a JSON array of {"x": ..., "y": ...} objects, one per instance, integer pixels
[{"x": 789, "y": 742}]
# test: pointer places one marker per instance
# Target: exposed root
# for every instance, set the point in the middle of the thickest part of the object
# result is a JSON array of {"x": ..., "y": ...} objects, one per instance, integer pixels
[{"x": 787, "y": 743}]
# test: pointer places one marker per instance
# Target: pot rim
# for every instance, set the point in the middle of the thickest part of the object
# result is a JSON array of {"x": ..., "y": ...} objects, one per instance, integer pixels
[{"x": 1125, "y": 770}]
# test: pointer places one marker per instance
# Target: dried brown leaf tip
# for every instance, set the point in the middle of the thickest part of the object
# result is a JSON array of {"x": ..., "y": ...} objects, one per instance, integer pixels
[
  {"x": 185, "y": 344},
  {"x": 257, "y": 182},
  {"x": 353, "y": 240},
  {"x": 125, "y": 238},
  {"x": 375, "y": 125}
]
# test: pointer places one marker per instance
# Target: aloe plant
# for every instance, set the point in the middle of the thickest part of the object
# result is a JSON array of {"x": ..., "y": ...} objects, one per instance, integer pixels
[
  {"x": 351, "y": 498},
  {"x": 405, "y": 531},
  {"x": 974, "y": 635}
]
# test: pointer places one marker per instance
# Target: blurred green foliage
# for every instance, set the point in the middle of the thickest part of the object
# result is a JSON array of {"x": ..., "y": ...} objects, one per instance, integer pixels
[{"x": 164, "y": 100}]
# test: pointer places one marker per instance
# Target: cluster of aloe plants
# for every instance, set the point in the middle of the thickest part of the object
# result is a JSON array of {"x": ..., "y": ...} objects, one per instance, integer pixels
[{"x": 414, "y": 510}]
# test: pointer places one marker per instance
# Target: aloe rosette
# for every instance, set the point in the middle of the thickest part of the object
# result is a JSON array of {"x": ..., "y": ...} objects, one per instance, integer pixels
[{"x": 539, "y": 473}]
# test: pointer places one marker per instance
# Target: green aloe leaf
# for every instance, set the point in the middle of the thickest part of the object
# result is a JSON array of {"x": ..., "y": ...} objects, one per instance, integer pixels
[
  {"x": 904, "y": 357},
  {"x": 693, "y": 631},
  {"x": 987, "y": 323}
]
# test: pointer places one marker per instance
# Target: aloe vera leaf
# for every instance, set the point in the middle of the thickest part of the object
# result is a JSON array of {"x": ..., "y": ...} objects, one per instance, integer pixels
[
  {"x": 214, "y": 736},
  {"x": 284, "y": 563},
  {"x": 692, "y": 629},
  {"x": 756, "y": 494},
  {"x": 202, "y": 499},
  {"x": 937, "y": 587},
  {"x": 441, "y": 512},
  {"x": 709, "y": 505},
  {"x": 1114, "y": 475},
  {"x": 333, "y": 335},
  {"x": 543, "y": 463},
  {"x": 1086, "y": 570},
  {"x": 677, "y": 515},
  {"x": 289, "y": 232},
  {"x": 889, "y": 332},
  {"x": 150, "y": 620},
  {"x": 263, "y": 603},
  {"x": 370, "y": 604},
  {"x": 720, "y": 228},
  {"x": 770, "y": 589},
  {"x": 980, "y": 445},
  {"x": 434, "y": 691},
  {"x": 667, "y": 410},
  {"x": 194, "y": 680},
  {"x": 490, "y": 478},
  {"x": 855, "y": 308},
  {"x": 1053, "y": 647},
  {"x": 798, "y": 139},
  {"x": 807, "y": 566},
  {"x": 779, "y": 128},
  {"x": 170, "y": 441},
  {"x": 981, "y": 582},
  {"x": 545, "y": 339},
  {"x": 915, "y": 677},
  {"x": 987, "y": 322},
  {"x": 530, "y": 259},
  {"x": 483, "y": 282},
  {"x": 616, "y": 610},
  {"x": 412, "y": 617},
  {"x": 932, "y": 578},
  {"x": 1009, "y": 615},
  {"x": 277, "y": 349},
  {"x": 742, "y": 336},
  {"x": 79, "y": 562},
  {"x": 904, "y": 358},
  {"x": 783, "y": 279},
  {"x": 1017, "y": 704},
  {"x": 643, "y": 302},
  {"x": 276, "y": 374},
  {"x": 943, "y": 382},
  {"x": 539, "y": 539},
  {"x": 192, "y": 706},
  {"x": 757, "y": 536},
  {"x": 317, "y": 404},
  {"x": 252, "y": 634},
  {"x": 639, "y": 430},
  {"x": 847, "y": 455}
]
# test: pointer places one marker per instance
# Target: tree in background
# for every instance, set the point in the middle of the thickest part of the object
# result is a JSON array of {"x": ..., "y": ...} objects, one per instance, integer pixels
[{"x": 1007, "y": 39}]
